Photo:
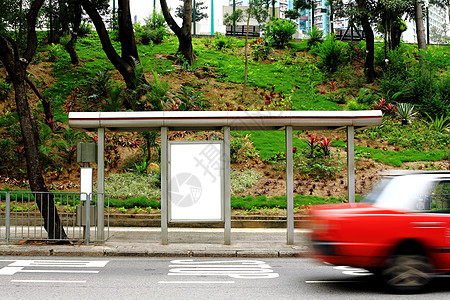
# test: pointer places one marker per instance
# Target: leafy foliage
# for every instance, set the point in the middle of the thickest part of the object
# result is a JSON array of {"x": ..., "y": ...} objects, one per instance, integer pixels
[
  {"x": 280, "y": 32},
  {"x": 331, "y": 52}
]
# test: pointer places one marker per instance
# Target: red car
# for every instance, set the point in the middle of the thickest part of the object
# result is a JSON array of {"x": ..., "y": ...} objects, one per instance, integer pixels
[{"x": 400, "y": 230}]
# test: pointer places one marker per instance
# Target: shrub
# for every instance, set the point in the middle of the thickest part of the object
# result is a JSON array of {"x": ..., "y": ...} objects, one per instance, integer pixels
[
  {"x": 243, "y": 180},
  {"x": 128, "y": 185},
  {"x": 222, "y": 42},
  {"x": 331, "y": 52},
  {"x": 191, "y": 99},
  {"x": 85, "y": 29},
  {"x": 405, "y": 112},
  {"x": 280, "y": 31},
  {"x": 5, "y": 88},
  {"x": 242, "y": 149},
  {"x": 315, "y": 37},
  {"x": 260, "y": 49},
  {"x": 55, "y": 52}
]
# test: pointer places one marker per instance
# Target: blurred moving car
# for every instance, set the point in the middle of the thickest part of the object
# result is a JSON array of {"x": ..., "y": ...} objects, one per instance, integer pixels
[{"x": 400, "y": 231}]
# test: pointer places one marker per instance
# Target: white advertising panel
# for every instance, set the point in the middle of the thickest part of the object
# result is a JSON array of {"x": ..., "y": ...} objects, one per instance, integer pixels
[{"x": 195, "y": 181}]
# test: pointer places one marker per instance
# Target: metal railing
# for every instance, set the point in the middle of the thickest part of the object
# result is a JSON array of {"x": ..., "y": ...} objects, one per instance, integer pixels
[{"x": 51, "y": 216}]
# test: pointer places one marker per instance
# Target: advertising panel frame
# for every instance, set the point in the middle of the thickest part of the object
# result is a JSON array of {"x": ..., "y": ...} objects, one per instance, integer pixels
[{"x": 221, "y": 173}]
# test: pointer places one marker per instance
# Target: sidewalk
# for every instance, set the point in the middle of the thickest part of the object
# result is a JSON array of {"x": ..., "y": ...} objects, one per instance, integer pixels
[{"x": 183, "y": 242}]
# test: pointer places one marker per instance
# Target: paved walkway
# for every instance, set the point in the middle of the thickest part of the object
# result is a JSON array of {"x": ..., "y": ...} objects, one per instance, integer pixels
[{"x": 183, "y": 242}]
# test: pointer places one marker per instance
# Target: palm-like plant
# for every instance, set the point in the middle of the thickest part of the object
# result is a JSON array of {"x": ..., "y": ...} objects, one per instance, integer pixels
[
  {"x": 405, "y": 112},
  {"x": 439, "y": 124}
]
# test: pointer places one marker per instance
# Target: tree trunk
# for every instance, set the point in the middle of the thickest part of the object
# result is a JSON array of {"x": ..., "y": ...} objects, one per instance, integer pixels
[
  {"x": 126, "y": 33},
  {"x": 183, "y": 33},
  {"x": 124, "y": 68},
  {"x": 370, "y": 43},
  {"x": 396, "y": 35},
  {"x": 16, "y": 67},
  {"x": 46, "y": 104},
  {"x": 71, "y": 45},
  {"x": 49, "y": 213},
  {"x": 420, "y": 28}
]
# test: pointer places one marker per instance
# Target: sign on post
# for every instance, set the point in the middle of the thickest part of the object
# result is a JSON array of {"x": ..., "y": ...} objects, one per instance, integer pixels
[{"x": 195, "y": 182}]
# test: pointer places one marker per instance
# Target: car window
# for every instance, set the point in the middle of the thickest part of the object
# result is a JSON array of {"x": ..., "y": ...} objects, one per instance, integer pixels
[
  {"x": 405, "y": 193},
  {"x": 439, "y": 200}
]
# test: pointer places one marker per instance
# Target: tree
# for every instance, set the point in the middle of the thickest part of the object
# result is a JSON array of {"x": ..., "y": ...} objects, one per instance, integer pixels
[
  {"x": 306, "y": 4},
  {"x": 127, "y": 62},
  {"x": 233, "y": 18},
  {"x": 199, "y": 14},
  {"x": 16, "y": 58},
  {"x": 183, "y": 33},
  {"x": 292, "y": 14}
]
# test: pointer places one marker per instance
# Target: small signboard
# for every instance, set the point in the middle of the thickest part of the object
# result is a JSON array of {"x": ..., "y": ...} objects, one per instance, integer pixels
[
  {"x": 85, "y": 183},
  {"x": 195, "y": 182}
]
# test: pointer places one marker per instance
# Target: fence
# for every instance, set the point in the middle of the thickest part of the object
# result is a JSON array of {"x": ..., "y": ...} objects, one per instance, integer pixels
[{"x": 50, "y": 216}]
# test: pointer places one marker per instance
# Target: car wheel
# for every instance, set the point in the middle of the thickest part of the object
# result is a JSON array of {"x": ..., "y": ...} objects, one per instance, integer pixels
[{"x": 407, "y": 273}]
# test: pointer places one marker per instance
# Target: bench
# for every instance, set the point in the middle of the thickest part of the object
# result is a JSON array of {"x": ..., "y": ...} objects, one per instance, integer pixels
[
  {"x": 241, "y": 30},
  {"x": 346, "y": 34}
]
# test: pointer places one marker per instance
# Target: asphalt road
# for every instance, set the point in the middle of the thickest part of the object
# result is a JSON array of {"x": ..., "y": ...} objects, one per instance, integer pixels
[{"x": 186, "y": 278}]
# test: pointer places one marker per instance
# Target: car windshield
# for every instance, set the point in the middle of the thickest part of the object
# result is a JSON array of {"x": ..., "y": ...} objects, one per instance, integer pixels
[{"x": 406, "y": 193}]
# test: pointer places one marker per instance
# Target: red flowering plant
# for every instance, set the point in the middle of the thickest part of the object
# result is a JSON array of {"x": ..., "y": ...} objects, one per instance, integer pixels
[
  {"x": 325, "y": 146},
  {"x": 386, "y": 108},
  {"x": 260, "y": 49},
  {"x": 312, "y": 145}
]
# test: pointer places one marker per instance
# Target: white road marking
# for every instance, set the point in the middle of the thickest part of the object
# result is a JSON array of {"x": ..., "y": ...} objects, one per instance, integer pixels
[
  {"x": 59, "y": 271},
  {"x": 331, "y": 281},
  {"x": 49, "y": 281},
  {"x": 248, "y": 269},
  {"x": 57, "y": 266},
  {"x": 59, "y": 263},
  {"x": 195, "y": 282}
]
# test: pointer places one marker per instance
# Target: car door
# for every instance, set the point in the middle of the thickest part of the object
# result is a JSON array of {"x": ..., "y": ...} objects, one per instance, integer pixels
[{"x": 438, "y": 210}]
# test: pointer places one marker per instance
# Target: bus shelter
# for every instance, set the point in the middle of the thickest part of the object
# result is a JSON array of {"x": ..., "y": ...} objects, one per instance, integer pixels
[{"x": 177, "y": 159}]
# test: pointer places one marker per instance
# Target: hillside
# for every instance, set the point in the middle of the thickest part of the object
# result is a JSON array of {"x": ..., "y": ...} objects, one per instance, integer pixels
[{"x": 290, "y": 78}]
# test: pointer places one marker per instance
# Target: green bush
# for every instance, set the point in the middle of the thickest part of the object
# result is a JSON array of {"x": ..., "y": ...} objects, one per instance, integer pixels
[
  {"x": 128, "y": 185},
  {"x": 331, "y": 52},
  {"x": 85, "y": 29},
  {"x": 315, "y": 37},
  {"x": 240, "y": 181},
  {"x": 5, "y": 88},
  {"x": 242, "y": 149},
  {"x": 260, "y": 49},
  {"x": 55, "y": 52},
  {"x": 280, "y": 31}
]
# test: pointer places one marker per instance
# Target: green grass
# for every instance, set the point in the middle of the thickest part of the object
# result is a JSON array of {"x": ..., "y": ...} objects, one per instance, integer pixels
[
  {"x": 248, "y": 202},
  {"x": 395, "y": 158},
  {"x": 269, "y": 143}
]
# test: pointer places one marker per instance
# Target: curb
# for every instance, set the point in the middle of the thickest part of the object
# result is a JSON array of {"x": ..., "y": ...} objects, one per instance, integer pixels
[{"x": 106, "y": 251}]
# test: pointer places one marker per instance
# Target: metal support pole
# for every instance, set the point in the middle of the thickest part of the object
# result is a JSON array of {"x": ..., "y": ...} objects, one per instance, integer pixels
[
  {"x": 227, "y": 185},
  {"x": 351, "y": 163},
  {"x": 100, "y": 183},
  {"x": 8, "y": 216},
  {"x": 164, "y": 187},
  {"x": 88, "y": 218},
  {"x": 289, "y": 186}
]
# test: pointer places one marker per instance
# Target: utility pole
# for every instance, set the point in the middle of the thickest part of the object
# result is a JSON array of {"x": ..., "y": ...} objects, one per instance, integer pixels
[
  {"x": 194, "y": 17},
  {"x": 234, "y": 15},
  {"x": 212, "y": 17},
  {"x": 428, "y": 27}
]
